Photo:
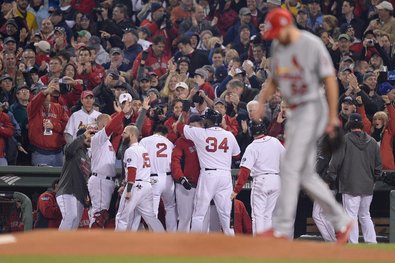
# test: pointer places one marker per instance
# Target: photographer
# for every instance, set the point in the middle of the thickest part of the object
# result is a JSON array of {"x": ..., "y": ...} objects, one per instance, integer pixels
[
  {"x": 70, "y": 87},
  {"x": 47, "y": 121},
  {"x": 55, "y": 70},
  {"x": 104, "y": 23},
  {"x": 370, "y": 47},
  {"x": 87, "y": 70}
]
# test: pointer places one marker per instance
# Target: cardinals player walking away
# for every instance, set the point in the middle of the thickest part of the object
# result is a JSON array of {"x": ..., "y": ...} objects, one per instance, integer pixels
[
  {"x": 137, "y": 194},
  {"x": 262, "y": 160},
  {"x": 215, "y": 148},
  {"x": 300, "y": 63},
  {"x": 159, "y": 149},
  {"x": 101, "y": 183}
]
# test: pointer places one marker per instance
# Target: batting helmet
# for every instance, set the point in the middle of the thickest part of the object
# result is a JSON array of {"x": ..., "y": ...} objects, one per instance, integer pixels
[
  {"x": 258, "y": 128},
  {"x": 214, "y": 116},
  {"x": 275, "y": 21}
]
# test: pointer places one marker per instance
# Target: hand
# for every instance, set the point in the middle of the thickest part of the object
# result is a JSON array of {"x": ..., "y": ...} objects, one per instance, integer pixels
[
  {"x": 105, "y": 35},
  {"x": 331, "y": 127},
  {"x": 22, "y": 67},
  {"x": 234, "y": 98},
  {"x": 359, "y": 100},
  {"x": 386, "y": 99},
  {"x": 43, "y": 66},
  {"x": 281, "y": 117},
  {"x": 233, "y": 195},
  {"x": 202, "y": 94},
  {"x": 223, "y": 123},
  {"x": 214, "y": 21},
  {"x": 144, "y": 55},
  {"x": 194, "y": 21},
  {"x": 127, "y": 107},
  {"x": 69, "y": 80},
  {"x": 248, "y": 67},
  {"x": 171, "y": 66},
  {"x": 244, "y": 126},
  {"x": 184, "y": 181},
  {"x": 89, "y": 133},
  {"x": 21, "y": 149},
  {"x": 117, "y": 107},
  {"x": 120, "y": 190},
  {"x": 146, "y": 102},
  {"x": 128, "y": 195}
]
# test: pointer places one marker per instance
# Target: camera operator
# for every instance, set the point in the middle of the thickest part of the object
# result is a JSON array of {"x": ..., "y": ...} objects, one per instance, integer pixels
[
  {"x": 55, "y": 70},
  {"x": 104, "y": 23}
]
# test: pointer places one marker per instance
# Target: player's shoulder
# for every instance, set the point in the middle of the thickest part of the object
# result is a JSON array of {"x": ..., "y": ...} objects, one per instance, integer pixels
[{"x": 311, "y": 39}]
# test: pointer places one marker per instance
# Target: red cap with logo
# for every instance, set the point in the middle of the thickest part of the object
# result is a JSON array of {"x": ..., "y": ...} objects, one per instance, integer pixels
[
  {"x": 275, "y": 21},
  {"x": 86, "y": 93}
]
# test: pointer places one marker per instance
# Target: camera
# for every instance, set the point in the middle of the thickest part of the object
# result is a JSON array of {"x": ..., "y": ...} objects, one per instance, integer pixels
[
  {"x": 98, "y": 10},
  {"x": 158, "y": 110},
  {"x": 370, "y": 42},
  {"x": 64, "y": 88}
]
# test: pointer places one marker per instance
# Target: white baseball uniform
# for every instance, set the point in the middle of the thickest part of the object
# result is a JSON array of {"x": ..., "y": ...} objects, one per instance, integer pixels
[
  {"x": 101, "y": 183},
  {"x": 80, "y": 119},
  {"x": 262, "y": 158},
  {"x": 142, "y": 198},
  {"x": 215, "y": 148},
  {"x": 159, "y": 149}
]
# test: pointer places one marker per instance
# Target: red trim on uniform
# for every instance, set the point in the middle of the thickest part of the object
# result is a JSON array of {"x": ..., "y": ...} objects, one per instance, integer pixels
[
  {"x": 241, "y": 179},
  {"x": 260, "y": 137},
  {"x": 236, "y": 157},
  {"x": 132, "y": 174}
]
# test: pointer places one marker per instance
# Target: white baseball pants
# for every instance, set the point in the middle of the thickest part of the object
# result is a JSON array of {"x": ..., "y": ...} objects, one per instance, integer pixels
[
  {"x": 71, "y": 210},
  {"x": 305, "y": 125},
  {"x": 326, "y": 229},
  {"x": 264, "y": 193},
  {"x": 100, "y": 191},
  {"x": 141, "y": 201},
  {"x": 217, "y": 185},
  {"x": 163, "y": 186},
  {"x": 358, "y": 207}
]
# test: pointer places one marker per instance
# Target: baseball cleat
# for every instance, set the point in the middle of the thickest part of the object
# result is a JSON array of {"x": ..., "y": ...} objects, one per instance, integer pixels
[
  {"x": 343, "y": 235},
  {"x": 271, "y": 233}
]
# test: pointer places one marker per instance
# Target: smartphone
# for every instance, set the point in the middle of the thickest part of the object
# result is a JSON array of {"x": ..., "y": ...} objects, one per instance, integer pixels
[{"x": 391, "y": 75}]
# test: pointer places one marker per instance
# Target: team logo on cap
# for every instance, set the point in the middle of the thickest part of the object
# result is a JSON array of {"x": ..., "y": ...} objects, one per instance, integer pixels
[{"x": 283, "y": 21}]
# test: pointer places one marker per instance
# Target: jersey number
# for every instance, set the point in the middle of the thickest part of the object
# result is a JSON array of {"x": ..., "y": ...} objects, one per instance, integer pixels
[
  {"x": 147, "y": 162},
  {"x": 298, "y": 89},
  {"x": 213, "y": 145},
  {"x": 161, "y": 148}
]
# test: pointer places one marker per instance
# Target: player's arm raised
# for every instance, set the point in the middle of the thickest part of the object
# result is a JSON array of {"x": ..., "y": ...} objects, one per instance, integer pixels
[{"x": 116, "y": 123}]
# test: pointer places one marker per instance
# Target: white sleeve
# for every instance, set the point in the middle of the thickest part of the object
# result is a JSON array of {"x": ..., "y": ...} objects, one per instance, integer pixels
[
  {"x": 100, "y": 137},
  {"x": 324, "y": 61},
  {"x": 70, "y": 129},
  {"x": 192, "y": 133},
  {"x": 130, "y": 158},
  {"x": 248, "y": 159}
]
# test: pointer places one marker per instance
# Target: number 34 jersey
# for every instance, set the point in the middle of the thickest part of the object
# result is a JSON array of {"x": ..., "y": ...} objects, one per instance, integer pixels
[
  {"x": 159, "y": 149},
  {"x": 215, "y": 146},
  {"x": 299, "y": 68}
]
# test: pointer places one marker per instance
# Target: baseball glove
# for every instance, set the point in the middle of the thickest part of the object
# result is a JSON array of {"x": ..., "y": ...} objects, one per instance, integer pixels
[{"x": 332, "y": 143}]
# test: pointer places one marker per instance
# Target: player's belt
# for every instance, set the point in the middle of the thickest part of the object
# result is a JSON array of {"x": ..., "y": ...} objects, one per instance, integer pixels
[
  {"x": 210, "y": 169},
  {"x": 107, "y": 177},
  {"x": 153, "y": 175},
  {"x": 138, "y": 180}
]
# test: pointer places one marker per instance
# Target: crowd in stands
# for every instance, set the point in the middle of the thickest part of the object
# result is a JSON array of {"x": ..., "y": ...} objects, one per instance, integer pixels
[{"x": 172, "y": 56}]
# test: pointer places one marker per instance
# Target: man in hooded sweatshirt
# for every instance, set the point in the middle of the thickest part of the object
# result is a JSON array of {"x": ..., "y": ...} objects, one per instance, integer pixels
[{"x": 357, "y": 164}]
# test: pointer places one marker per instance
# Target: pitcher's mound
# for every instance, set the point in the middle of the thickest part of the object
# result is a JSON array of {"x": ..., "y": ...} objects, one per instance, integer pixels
[{"x": 97, "y": 243}]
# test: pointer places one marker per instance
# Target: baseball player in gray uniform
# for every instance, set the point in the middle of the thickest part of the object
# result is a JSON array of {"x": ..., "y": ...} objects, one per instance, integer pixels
[{"x": 300, "y": 64}]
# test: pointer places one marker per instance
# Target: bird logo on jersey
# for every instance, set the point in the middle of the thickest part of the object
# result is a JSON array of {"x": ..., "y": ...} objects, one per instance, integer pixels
[{"x": 294, "y": 71}]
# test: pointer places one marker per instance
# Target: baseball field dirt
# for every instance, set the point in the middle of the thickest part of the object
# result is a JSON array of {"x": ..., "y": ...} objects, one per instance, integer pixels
[{"x": 167, "y": 247}]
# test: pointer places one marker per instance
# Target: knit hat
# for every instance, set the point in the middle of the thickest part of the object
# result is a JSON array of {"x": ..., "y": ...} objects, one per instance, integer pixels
[
  {"x": 155, "y": 7},
  {"x": 384, "y": 88},
  {"x": 202, "y": 72}
]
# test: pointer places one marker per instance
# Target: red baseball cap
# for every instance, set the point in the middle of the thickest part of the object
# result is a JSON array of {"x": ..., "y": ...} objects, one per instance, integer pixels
[
  {"x": 86, "y": 93},
  {"x": 275, "y": 20}
]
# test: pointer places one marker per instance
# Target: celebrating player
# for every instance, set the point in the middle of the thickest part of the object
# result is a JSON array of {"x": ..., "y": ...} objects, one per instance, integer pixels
[
  {"x": 137, "y": 194},
  {"x": 262, "y": 160},
  {"x": 215, "y": 148},
  {"x": 300, "y": 63}
]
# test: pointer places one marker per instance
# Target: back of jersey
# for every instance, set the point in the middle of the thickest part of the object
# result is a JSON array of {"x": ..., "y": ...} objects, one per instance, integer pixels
[
  {"x": 159, "y": 149},
  {"x": 215, "y": 146},
  {"x": 137, "y": 156}
]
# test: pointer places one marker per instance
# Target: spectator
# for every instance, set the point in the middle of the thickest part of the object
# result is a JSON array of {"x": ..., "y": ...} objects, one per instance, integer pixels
[
  {"x": 385, "y": 21},
  {"x": 47, "y": 30},
  {"x": 47, "y": 121},
  {"x": 349, "y": 18},
  {"x": 55, "y": 70},
  {"x": 132, "y": 47},
  {"x": 369, "y": 86},
  {"x": 277, "y": 126},
  {"x": 228, "y": 123},
  {"x": 357, "y": 164},
  {"x": 117, "y": 60},
  {"x": 57, "y": 20},
  {"x": 177, "y": 107},
  {"x": 196, "y": 23},
  {"x": 240, "y": 94},
  {"x": 10, "y": 68},
  {"x": 200, "y": 77},
  {"x": 87, "y": 70},
  {"x": 315, "y": 17},
  {"x": 180, "y": 12},
  {"x": 21, "y": 11},
  {"x": 244, "y": 19},
  {"x": 102, "y": 56},
  {"x": 6, "y": 131},
  {"x": 84, "y": 118}
]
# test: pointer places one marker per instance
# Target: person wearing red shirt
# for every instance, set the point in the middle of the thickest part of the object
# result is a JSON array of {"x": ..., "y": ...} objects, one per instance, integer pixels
[
  {"x": 6, "y": 131},
  {"x": 201, "y": 76},
  {"x": 87, "y": 70},
  {"x": 177, "y": 109},
  {"x": 185, "y": 170},
  {"x": 48, "y": 212},
  {"x": 154, "y": 57},
  {"x": 47, "y": 121},
  {"x": 228, "y": 123}
]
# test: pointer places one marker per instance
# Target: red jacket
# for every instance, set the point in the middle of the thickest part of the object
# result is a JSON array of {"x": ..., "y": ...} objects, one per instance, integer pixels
[
  {"x": 242, "y": 220},
  {"x": 185, "y": 159},
  {"x": 277, "y": 129},
  {"x": 36, "y": 115},
  {"x": 158, "y": 64},
  {"x": 172, "y": 136},
  {"x": 94, "y": 78},
  {"x": 49, "y": 209},
  {"x": 231, "y": 124},
  {"x": 208, "y": 89},
  {"x": 6, "y": 131},
  {"x": 155, "y": 30},
  {"x": 84, "y": 6}
]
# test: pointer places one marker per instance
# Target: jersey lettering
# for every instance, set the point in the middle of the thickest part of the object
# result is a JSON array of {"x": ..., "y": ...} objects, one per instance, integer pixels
[
  {"x": 146, "y": 159},
  {"x": 162, "y": 147},
  {"x": 213, "y": 144}
]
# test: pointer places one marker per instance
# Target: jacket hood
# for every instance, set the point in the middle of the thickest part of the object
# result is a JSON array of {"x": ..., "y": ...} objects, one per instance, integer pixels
[{"x": 359, "y": 139}]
